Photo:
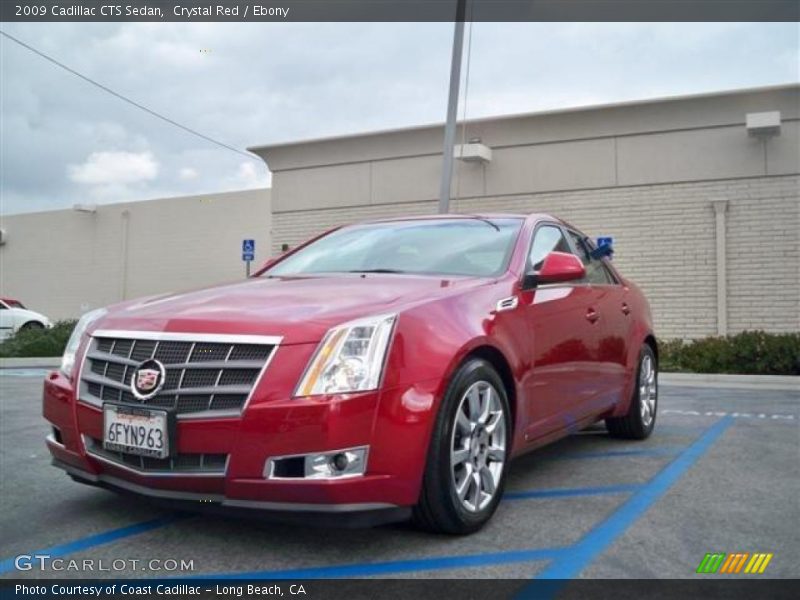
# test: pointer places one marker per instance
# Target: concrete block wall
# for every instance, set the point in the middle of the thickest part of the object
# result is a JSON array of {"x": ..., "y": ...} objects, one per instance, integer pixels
[
  {"x": 665, "y": 242},
  {"x": 64, "y": 262}
]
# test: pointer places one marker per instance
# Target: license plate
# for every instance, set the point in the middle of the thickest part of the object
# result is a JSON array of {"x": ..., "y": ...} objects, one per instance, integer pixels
[{"x": 136, "y": 430}]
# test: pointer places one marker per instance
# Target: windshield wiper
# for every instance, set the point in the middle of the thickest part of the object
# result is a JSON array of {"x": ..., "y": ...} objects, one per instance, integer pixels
[
  {"x": 376, "y": 271},
  {"x": 485, "y": 220}
]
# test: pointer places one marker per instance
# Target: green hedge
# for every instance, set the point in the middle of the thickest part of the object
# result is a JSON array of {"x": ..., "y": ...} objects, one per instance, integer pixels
[
  {"x": 38, "y": 342},
  {"x": 749, "y": 353}
]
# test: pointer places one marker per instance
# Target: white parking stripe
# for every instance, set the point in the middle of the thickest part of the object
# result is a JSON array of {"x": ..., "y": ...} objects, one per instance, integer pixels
[{"x": 735, "y": 415}]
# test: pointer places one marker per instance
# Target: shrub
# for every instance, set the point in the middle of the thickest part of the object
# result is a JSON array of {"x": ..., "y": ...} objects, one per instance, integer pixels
[
  {"x": 749, "y": 352},
  {"x": 38, "y": 342}
]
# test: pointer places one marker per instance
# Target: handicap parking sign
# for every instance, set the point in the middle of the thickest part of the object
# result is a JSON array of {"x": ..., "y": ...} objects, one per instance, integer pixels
[
  {"x": 248, "y": 250},
  {"x": 605, "y": 247},
  {"x": 605, "y": 241}
]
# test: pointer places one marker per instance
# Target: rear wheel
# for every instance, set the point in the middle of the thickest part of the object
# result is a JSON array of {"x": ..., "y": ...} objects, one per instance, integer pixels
[
  {"x": 468, "y": 456},
  {"x": 32, "y": 325},
  {"x": 638, "y": 424}
]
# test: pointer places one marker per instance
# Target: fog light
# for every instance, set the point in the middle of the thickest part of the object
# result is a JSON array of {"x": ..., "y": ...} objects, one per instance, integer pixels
[
  {"x": 340, "y": 461},
  {"x": 336, "y": 464},
  {"x": 350, "y": 462}
]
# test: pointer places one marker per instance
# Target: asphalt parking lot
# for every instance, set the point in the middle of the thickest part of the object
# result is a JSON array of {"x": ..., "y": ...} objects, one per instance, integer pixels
[{"x": 720, "y": 474}]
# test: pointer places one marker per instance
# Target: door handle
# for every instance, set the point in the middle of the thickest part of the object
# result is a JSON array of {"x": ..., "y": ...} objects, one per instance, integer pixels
[
  {"x": 626, "y": 310},
  {"x": 592, "y": 315}
]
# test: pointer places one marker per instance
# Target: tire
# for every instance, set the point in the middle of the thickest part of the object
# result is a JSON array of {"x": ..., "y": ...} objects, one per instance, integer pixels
[
  {"x": 472, "y": 435},
  {"x": 640, "y": 421},
  {"x": 31, "y": 325}
]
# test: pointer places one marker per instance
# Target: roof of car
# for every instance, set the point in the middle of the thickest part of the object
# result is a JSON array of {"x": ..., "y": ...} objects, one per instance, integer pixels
[{"x": 537, "y": 216}]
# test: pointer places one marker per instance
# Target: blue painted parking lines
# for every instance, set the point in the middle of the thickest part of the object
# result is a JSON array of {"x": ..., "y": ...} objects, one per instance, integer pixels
[
  {"x": 622, "y": 488},
  {"x": 400, "y": 566},
  {"x": 602, "y": 536},
  {"x": 564, "y": 562},
  {"x": 97, "y": 539}
]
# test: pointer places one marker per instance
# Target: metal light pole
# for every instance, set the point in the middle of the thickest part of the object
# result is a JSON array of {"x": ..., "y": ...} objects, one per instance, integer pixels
[{"x": 452, "y": 107}]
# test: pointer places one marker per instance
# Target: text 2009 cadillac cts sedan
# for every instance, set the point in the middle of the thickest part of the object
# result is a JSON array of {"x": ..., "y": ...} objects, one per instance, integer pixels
[{"x": 384, "y": 370}]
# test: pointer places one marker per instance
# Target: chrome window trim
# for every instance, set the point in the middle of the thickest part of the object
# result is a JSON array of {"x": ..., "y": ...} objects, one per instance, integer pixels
[{"x": 171, "y": 336}]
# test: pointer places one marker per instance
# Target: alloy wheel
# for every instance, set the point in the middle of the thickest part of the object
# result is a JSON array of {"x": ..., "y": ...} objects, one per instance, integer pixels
[
  {"x": 647, "y": 390},
  {"x": 478, "y": 446}
]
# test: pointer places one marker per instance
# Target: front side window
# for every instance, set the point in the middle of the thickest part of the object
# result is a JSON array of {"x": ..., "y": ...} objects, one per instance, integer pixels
[
  {"x": 596, "y": 271},
  {"x": 547, "y": 239},
  {"x": 471, "y": 247}
]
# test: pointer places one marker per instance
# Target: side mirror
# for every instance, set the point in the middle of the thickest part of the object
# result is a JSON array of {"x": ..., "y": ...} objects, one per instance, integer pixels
[{"x": 557, "y": 267}]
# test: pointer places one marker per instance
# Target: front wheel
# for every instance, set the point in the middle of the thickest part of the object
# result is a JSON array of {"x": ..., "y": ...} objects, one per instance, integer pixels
[
  {"x": 32, "y": 325},
  {"x": 468, "y": 455},
  {"x": 640, "y": 421}
]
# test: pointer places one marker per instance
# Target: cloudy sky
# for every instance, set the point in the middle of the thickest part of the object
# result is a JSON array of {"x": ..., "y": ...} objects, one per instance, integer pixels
[{"x": 65, "y": 141}]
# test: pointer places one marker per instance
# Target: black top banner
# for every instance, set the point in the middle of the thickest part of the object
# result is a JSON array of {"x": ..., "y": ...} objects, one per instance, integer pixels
[{"x": 398, "y": 10}]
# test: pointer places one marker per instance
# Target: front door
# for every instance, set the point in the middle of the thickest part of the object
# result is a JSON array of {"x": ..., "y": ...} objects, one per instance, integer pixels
[{"x": 564, "y": 330}]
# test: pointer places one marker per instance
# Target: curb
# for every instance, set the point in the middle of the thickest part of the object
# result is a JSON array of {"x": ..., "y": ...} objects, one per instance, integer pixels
[
  {"x": 750, "y": 382},
  {"x": 32, "y": 362}
]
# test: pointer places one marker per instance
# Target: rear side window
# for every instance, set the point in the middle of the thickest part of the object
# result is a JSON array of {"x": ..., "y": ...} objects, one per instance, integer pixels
[
  {"x": 596, "y": 271},
  {"x": 547, "y": 239}
]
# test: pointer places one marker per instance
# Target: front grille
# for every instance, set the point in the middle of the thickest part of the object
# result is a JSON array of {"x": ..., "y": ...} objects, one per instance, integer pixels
[
  {"x": 206, "y": 464},
  {"x": 201, "y": 376}
]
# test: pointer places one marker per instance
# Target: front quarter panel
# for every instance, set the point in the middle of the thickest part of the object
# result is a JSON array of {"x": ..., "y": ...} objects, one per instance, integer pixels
[{"x": 430, "y": 343}]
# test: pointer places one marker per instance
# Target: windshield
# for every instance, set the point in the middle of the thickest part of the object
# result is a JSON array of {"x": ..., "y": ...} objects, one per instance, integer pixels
[
  {"x": 472, "y": 247},
  {"x": 14, "y": 304}
]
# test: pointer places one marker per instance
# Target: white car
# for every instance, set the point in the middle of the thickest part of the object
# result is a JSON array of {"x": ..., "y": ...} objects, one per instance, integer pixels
[{"x": 14, "y": 316}]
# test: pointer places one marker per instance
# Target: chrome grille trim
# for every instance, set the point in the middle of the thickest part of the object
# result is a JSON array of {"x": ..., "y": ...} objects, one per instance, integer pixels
[
  {"x": 105, "y": 374},
  {"x": 171, "y": 336}
]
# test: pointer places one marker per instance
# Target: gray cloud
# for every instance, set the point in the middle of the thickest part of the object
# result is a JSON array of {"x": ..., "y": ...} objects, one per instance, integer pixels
[{"x": 262, "y": 83}]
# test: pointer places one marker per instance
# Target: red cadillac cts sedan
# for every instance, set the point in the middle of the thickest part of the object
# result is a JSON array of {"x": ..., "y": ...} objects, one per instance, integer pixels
[{"x": 381, "y": 371}]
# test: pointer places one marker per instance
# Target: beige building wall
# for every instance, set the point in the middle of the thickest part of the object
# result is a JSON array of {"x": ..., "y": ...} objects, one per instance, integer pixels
[
  {"x": 65, "y": 262},
  {"x": 646, "y": 173}
]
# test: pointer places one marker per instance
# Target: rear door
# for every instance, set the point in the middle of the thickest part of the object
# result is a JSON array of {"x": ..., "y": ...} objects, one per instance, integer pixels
[
  {"x": 613, "y": 325},
  {"x": 562, "y": 379}
]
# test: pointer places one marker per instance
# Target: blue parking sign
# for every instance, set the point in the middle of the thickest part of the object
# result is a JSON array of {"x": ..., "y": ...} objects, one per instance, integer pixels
[
  {"x": 248, "y": 250},
  {"x": 605, "y": 247}
]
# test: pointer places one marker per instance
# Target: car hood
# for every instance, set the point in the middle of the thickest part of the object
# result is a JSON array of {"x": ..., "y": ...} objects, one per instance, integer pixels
[{"x": 299, "y": 309}]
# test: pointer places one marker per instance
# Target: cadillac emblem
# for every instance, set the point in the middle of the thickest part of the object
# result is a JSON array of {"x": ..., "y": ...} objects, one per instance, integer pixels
[{"x": 148, "y": 379}]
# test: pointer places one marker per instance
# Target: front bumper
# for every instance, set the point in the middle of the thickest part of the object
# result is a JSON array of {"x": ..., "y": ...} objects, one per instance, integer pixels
[{"x": 395, "y": 424}]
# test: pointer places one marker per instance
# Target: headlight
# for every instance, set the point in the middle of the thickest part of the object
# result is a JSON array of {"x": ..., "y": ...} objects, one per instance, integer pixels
[
  {"x": 349, "y": 359},
  {"x": 68, "y": 360}
]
